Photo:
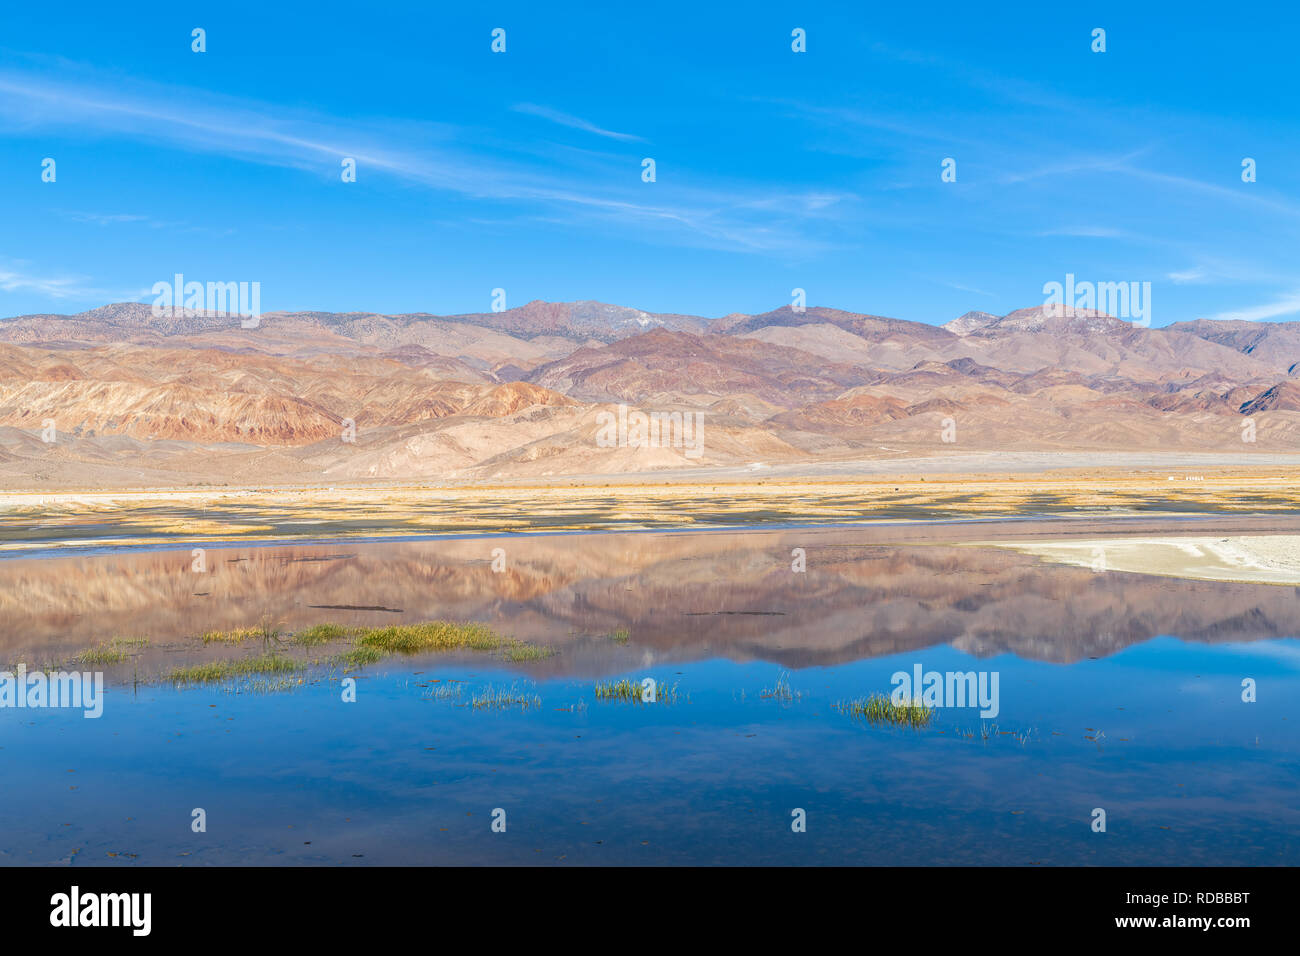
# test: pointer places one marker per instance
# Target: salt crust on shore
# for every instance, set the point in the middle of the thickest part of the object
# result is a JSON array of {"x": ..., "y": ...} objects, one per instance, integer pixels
[{"x": 1262, "y": 559}]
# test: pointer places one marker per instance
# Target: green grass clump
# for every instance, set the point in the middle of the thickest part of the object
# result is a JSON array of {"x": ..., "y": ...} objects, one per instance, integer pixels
[
  {"x": 782, "y": 691},
  {"x": 881, "y": 709},
  {"x": 497, "y": 698},
  {"x": 630, "y": 691},
  {"x": 360, "y": 656},
  {"x": 621, "y": 636},
  {"x": 431, "y": 636},
  {"x": 517, "y": 652},
  {"x": 235, "y": 636},
  {"x": 444, "y": 692},
  {"x": 215, "y": 671},
  {"x": 623, "y": 690},
  {"x": 265, "y": 632},
  {"x": 103, "y": 654},
  {"x": 369, "y": 646},
  {"x": 320, "y": 634},
  {"x": 110, "y": 653}
]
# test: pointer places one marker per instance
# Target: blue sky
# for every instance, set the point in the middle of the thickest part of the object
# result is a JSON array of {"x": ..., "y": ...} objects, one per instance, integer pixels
[{"x": 775, "y": 169}]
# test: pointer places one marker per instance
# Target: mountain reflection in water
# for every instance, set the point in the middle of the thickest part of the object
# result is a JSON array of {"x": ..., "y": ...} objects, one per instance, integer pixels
[{"x": 866, "y": 593}]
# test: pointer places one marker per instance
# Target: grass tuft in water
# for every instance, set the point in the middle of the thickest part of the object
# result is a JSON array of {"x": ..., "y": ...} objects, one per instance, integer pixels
[
  {"x": 369, "y": 646},
  {"x": 621, "y": 636},
  {"x": 444, "y": 692},
  {"x": 431, "y": 636},
  {"x": 103, "y": 654},
  {"x": 498, "y": 698},
  {"x": 360, "y": 657},
  {"x": 881, "y": 709},
  {"x": 517, "y": 652},
  {"x": 631, "y": 692},
  {"x": 216, "y": 671},
  {"x": 234, "y": 636},
  {"x": 264, "y": 632},
  {"x": 781, "y": 691},
  {"x": 320, "y": 634},
  {"x": 112, "y": 652}
]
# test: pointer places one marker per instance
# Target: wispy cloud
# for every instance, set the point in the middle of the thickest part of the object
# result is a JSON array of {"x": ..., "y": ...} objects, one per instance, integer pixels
[
  {"x": 965, "y": 288},
  {"x": 808, "y": 203},
  {"x": 1287, "y": 305},
  {"x": 573, "y": 122},
  {"x": 462, "y": 161},
  {"x": 14, "y": 277},
  {"x": 1081, "y": 164},
  {"x": 106, "y": 219},
  {"x": 839, "y": 118},
  {"x": 1195, "y": 274},
  {"x": 1247, "y": 194},
  {"x": 1218, "y": 268}
]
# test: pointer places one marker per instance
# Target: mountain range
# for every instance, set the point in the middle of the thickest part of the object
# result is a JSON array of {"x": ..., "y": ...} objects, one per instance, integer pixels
[{"x": 196, "y": 398}]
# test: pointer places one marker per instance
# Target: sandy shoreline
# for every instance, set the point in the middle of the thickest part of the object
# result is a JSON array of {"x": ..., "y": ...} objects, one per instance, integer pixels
[{"x": 1239, "y": 503}]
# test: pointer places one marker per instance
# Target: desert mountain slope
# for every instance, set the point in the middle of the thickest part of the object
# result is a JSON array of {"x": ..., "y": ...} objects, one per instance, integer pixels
[{"x": 526, "y": 392}]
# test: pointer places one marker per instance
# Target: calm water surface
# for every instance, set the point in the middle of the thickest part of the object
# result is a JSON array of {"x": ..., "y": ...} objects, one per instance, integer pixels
[{"x": 1120, "y": 692}]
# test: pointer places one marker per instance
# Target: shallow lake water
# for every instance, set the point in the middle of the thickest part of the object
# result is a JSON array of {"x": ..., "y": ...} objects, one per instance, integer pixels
[{"x": 1119, "y": 692}]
